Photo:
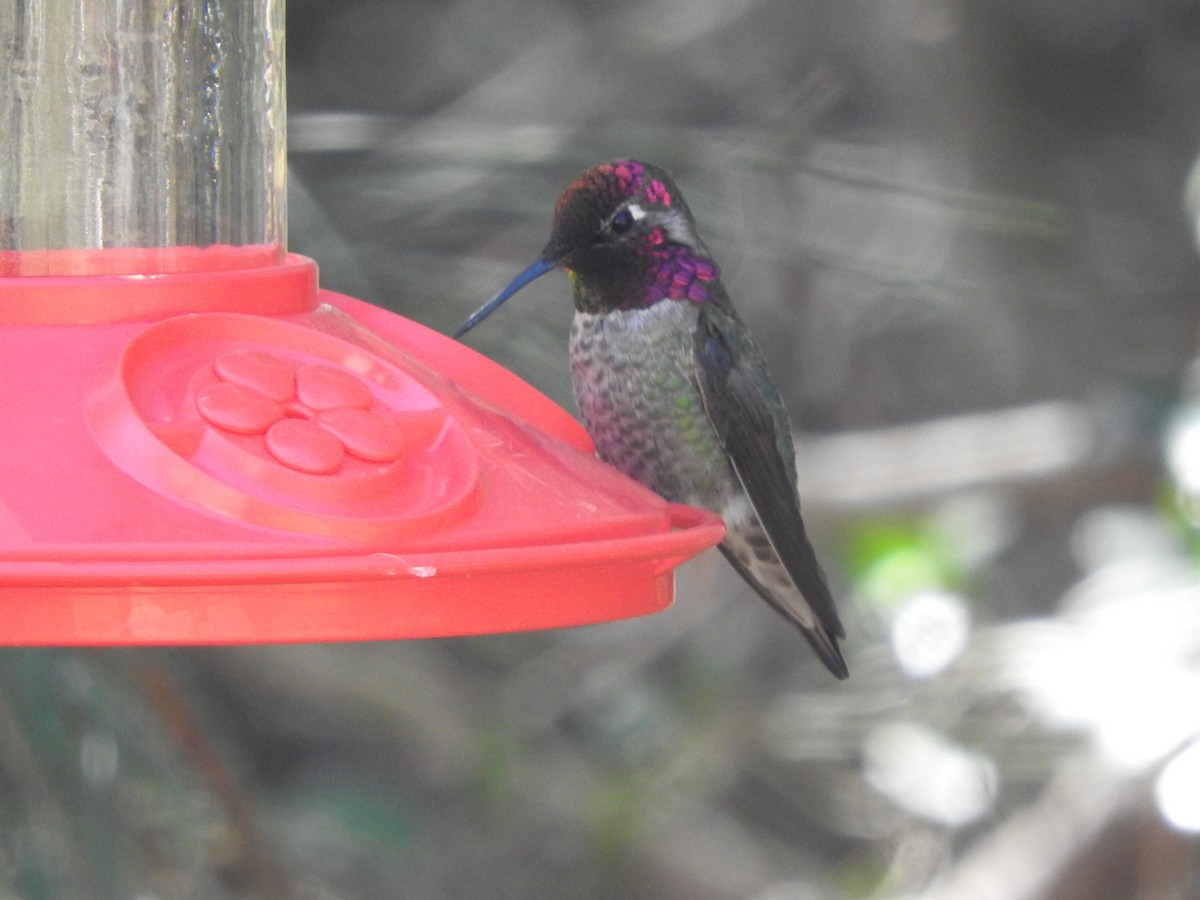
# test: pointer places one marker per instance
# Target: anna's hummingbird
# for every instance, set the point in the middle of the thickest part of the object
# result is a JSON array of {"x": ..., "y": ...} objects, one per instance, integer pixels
[{"x": 671, "y": 386}]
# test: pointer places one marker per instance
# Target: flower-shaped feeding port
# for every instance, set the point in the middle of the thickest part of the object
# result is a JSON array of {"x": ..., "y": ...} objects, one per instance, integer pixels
[
  {"x": 310, "y": 416},
  {"x": 275, "y": 424}
]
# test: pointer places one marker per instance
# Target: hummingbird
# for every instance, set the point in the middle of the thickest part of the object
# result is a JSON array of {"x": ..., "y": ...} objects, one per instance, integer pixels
[{"x": 671, "y": 386}]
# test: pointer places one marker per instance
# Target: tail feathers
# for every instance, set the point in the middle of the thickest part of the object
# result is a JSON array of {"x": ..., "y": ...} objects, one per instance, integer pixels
[
  {"x": 824, "y": 644},
  {"x": 826, "y": 647}
]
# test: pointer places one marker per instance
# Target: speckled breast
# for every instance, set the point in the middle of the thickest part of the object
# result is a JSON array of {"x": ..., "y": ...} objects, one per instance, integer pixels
[{"x": 633, "y": 374}]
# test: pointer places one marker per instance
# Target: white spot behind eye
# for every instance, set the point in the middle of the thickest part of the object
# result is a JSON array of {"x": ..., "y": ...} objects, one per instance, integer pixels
[
  {"x": 678, "y": 229},
  {"x": 636, "y": 211}
]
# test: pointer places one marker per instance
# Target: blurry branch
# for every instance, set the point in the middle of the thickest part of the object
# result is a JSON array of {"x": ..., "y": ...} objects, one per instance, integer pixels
[
  {"x": 1026, "y": 854},
  {"x": 415, "y": 703},
  {"x": 43, "y": 815},
  {"x": 904, "y": 463},
  {"x": 838, "y": 164},
  {"x": 248, "y": 864}
]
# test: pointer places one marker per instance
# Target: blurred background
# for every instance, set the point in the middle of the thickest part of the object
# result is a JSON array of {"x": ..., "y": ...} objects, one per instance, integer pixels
[{"x": 964, "y": 235}]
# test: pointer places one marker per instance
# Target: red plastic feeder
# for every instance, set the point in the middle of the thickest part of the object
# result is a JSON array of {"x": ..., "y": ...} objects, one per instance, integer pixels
[{"x": 203, "y": 447}]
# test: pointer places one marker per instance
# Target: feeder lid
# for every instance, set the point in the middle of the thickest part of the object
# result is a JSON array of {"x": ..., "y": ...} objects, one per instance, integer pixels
[{"x": 229, "y": 455}]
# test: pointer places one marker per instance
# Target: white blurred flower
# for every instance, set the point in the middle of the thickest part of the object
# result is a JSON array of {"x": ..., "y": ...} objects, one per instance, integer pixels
[{"x": 929, "y": 775}]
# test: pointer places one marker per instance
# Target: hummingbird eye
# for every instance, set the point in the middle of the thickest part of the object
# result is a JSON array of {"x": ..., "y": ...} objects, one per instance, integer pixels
[{"x": 621, "y": 222}]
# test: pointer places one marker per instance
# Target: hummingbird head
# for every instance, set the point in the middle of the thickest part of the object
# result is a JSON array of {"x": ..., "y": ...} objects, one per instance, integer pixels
[{"x": 626, "y": 238}]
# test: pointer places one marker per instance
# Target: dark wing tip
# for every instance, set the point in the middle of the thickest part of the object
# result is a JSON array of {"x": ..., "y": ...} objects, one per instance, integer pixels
[{"x": 826, "y": 648}]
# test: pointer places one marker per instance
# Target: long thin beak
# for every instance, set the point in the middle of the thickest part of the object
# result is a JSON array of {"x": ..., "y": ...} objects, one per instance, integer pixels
[{"x": 538, "y": 268}]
